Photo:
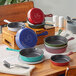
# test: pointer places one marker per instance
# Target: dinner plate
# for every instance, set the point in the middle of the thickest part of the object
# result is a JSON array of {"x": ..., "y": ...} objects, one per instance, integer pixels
[{"x": 25, "y": 62}]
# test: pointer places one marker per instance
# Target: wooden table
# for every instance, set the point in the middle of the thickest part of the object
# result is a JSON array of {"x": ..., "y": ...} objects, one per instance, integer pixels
[{"x": 46, "y": 68}]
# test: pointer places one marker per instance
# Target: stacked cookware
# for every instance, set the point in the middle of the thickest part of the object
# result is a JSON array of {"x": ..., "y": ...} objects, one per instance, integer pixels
[
  {"x": 56, "y": 44},
  {"x": 36, "y": 18}
]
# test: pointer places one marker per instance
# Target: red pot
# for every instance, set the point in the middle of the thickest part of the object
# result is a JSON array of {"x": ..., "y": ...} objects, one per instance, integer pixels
[{"x": 36, "y": 16}]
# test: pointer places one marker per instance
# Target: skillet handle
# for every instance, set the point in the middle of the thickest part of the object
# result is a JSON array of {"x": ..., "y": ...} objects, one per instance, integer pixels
[
  {"x": 70, "y": 53},
  {"x": 12, "y": 49},
  {"x": 48, "y": 15},
  {"x": 44, "y": 33},
  {"x": 71, "y": 38},
  {"x": 6, "y": 21},
  {"x": 59, "y": 32},
  {"x": 48, "y": 24}
]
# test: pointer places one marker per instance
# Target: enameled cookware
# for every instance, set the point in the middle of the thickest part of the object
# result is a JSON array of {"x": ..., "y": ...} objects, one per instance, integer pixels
[
  {"x": 56, "y": 41},
  {"x": 26, "y": 38},
  {"x": 14, "y": 26},
  {"x": 29, "y": 54},
  {"x": 36, "y": 16},
  {"x": 57, "y": 50},
  {"x": 71, "y": 26},
  {"x": 37, "y": 26},
  {"x": 50, "y": 47},
  {"x": 60, "y": 60}
]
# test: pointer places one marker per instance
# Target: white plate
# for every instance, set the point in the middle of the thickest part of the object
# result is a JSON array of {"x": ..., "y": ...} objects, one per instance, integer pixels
[{"x": 25, "y": 62}]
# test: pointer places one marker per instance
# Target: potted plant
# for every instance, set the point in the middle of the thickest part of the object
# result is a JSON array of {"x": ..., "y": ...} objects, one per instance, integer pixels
[{"x": 6, "y": 2}]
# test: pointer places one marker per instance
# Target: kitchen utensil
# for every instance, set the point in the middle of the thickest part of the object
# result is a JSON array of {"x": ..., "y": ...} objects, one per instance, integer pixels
[
  {"x": 26, "y": 38},
  {"x": 56, "y": 50},
  {"x": 42, "y": 25},
  {"x": 56, "y": 41},
  {"x": 59, "y": 32},
  {"x": 14, "y": 26},
  {"x": 74, "y": 19},
  {"x": 25, "y": 62},
  {"x": 50, "y": 47},
  {"x": 30, "y": 54},
  {"x": 10, "y": 66},
  {"x": 71, "y": 26},
  {"x": 35, "y": 24},
  {"x": 69, "y": 19},
  {"x": 36, "y": 16},
  {"x": 66, "y": 35},
  {"x": 60, "y": 60}
]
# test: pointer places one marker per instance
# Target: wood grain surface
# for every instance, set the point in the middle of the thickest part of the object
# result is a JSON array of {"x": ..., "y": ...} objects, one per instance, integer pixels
[
  {"x": 70, "y": 71},
  {"x": 15, "y": 12},
  {"x": 46, "y": 68}
]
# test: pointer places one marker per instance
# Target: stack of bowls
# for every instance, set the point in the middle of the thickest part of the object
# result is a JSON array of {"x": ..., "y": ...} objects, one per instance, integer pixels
[{"x": 55, "y": 44}]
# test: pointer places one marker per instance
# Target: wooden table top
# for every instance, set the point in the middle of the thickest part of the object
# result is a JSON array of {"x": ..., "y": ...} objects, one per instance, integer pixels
[{"x": 46, "y": 68}]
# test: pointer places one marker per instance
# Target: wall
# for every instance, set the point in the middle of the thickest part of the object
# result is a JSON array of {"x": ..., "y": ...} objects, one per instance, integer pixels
[{"x": 58, "y": 7}]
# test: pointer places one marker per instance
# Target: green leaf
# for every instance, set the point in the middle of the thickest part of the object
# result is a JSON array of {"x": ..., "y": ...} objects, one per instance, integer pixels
[
  {"x": 18, "y": 1},
  {"x": 2, "y": 2},
  {"x": 8, "y": 1},
  {"x": 14, "y": 1},
  {"x": 23, "y": 0}
]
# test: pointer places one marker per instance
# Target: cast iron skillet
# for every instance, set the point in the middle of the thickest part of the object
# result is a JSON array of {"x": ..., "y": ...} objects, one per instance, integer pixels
[
  {"x": 29, "y": 54},
  {"x": 37, "y": 26},
  {"x": 36, "y": 16},
  {"x": 56, "y": 41},
  {"x": 14, "y": 26},
  {"x": 61, "y": 60}
]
